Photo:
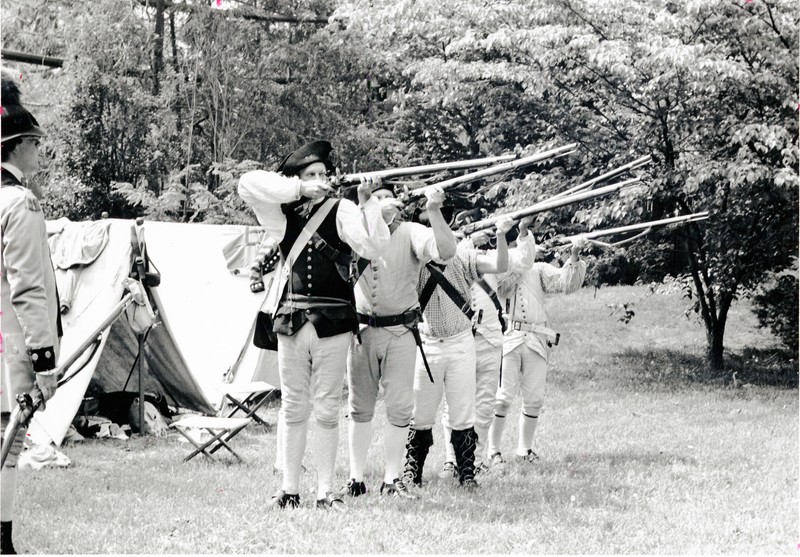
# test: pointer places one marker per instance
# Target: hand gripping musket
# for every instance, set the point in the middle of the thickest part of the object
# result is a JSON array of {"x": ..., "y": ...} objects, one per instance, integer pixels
[
  {"x": 547, "y": 205},
  {"x": 28, "y": 403},
  {"x": 495, "y": 169},
  {"x": 638, "y": 163},
  {"x": 642, "y": 227}
]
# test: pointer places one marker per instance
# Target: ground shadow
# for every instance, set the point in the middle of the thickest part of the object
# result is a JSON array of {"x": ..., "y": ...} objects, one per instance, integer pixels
[{"x": 750, "y": 366}]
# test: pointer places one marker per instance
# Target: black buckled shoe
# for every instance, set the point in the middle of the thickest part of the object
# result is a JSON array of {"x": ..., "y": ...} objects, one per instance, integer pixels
[
  {"x": 282, "y": 500},
  {"x": 354, "y": 488},
  {"x": 529, "y": 456},
  {"x": 332, "y": 501},
  {"x": 397, "y": 488}
]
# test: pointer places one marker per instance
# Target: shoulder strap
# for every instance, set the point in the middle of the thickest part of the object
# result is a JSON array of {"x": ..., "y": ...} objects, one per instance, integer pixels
[
  {"x": 274, "y": 294},
  {"x": 438, "y": 278},
  {"x": 493, "y": 296}
]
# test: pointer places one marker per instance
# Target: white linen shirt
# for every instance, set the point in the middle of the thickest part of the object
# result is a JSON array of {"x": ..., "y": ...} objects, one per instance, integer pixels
[
  {"x": 524, "y": 299},
  {"x": 520, "y": 259},
  {"x": 391, "y": 289},
  {"x": 362, "y": 228}
]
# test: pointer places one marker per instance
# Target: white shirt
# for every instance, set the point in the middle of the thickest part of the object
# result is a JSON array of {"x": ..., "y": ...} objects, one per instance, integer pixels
[
  {"x": 523, "y": 299},
  {"x": 362, "y": 228},
  {"x": 520, "y": 259},
  {"x": 391, "y": 289}
]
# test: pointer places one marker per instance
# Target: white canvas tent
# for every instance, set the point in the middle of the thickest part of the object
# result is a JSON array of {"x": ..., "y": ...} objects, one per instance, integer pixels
[{"x": 206, "y": 315}]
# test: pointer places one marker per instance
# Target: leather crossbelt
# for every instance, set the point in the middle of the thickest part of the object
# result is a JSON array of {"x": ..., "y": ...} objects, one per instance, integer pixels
[
  {"x": 552, "y": 336},
  {"x": 410, "y": 317}
]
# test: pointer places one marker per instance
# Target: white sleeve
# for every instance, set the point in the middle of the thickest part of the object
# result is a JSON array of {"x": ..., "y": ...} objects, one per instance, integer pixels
[
  {"x": 363, "y": 228},
  {"x": 521, "y": 258},
  {"x": 567, "y": 279},
  {"x": 264, "y": 192},
  {"x": 423, "y": 242}
]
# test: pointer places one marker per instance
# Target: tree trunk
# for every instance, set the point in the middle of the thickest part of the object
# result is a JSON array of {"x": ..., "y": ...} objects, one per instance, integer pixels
[
  {"x": 716, "y": 334},
  {"x": 158, "y": 46},
  {"x": 714, "y": 347}
]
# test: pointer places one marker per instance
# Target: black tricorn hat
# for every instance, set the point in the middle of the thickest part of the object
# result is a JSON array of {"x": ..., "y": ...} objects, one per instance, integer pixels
[
  {"x": 16, "y": 121},
  {"x": 316, "y": 151}
]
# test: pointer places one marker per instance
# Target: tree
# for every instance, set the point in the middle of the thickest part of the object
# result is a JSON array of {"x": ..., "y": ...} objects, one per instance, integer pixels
[{"x": 706, "y": 87}]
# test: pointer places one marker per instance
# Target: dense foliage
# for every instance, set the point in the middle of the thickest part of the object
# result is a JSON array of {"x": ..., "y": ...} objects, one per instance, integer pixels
[
  {"x": 161, "y": 105},
  {"x": 776, "y": 305}
]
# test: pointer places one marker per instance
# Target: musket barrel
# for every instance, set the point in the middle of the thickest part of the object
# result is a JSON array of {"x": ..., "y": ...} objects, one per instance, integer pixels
[
  {"x": 427, "y": 168},
  {"x": 683, "y": 219},
  {"x": 694, "y": 217},
  {"x": 547, "y": 205},
  {"x": 610, "y": 174},
  {"x": 496, "y": 169}
]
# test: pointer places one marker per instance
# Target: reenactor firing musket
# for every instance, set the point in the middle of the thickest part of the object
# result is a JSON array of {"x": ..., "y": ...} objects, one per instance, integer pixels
[
  {"x": 638, "y": 163},
  {"x": 643, "y": 228},
  {"x": 547, "y": 205}
]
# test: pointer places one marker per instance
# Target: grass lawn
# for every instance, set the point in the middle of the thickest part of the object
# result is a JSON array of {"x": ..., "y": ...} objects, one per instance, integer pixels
[{"x": 643, "y": 450}]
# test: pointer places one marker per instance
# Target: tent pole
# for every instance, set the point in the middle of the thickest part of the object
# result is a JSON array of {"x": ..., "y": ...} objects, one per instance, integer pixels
[{"x": 140, "y": 337}]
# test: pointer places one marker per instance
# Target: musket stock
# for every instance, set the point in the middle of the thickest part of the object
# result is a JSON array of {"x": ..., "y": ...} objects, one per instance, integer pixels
[{"x": 547, "y": 205}]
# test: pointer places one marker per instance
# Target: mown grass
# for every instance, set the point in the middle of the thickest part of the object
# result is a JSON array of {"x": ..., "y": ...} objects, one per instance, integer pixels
[{"x": 644, "y": 450}]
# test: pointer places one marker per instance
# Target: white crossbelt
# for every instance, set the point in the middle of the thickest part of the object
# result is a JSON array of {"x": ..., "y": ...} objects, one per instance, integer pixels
[{"x": 531, "y": 328}]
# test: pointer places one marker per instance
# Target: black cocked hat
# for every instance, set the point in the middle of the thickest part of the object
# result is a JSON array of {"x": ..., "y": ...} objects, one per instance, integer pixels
[
  {"x": 16, "y": 121},
  {"x": 296, "y": 161}
]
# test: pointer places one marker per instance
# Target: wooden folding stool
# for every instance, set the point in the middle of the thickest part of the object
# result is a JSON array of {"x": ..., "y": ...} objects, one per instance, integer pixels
[
  {"x": 234, "y": 393},
  {"x": 221, "y": 430}
]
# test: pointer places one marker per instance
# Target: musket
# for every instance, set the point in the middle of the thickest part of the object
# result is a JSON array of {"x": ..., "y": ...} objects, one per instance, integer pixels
[
  {"x": 495, "y": 169},
  {"x": 28, "y": 403},
  {"x": 645, "y": 227},
  {"x": 356, "y": 177},
  {"x": 610, "y": 174},
  {"x": 547, "y": 205}
]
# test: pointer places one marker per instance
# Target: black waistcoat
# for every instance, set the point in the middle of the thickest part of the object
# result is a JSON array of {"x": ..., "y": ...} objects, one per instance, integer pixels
[{"x": 315, "y": 274}]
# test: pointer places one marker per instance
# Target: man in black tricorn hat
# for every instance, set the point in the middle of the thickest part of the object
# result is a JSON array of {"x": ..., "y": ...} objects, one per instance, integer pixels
[
  {"x": 312, "y": 301},
  {"x": 30, "y": 319}
]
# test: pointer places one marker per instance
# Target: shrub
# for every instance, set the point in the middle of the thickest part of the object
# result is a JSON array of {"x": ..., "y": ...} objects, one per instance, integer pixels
[{"x": 775, "y": 304}]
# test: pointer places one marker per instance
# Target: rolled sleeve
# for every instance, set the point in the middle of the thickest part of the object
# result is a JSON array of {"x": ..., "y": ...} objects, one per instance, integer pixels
[
  {"x": 363, "y": 228},
  {"x": 423, "y": 243},
  {"x": 265, "y": 192},
  {"x": 567, "y": 279}
]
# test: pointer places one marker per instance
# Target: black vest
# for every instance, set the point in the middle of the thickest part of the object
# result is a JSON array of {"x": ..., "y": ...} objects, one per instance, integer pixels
[{"x": 315, "y": 274}]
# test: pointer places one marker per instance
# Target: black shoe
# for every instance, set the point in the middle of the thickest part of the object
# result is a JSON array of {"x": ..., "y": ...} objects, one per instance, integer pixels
[
  {"x": 398, "y": 489},
  {"x": 353, "y": 488},
  {"x": 332, "y": 501},
  {"x": 281, "y": 500},
  {"x": 530, "y": 456},
  {"x": 6, "y": 545},
  {"x": 470, "y": 483},
  {"x": 497, "y": 459}
]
